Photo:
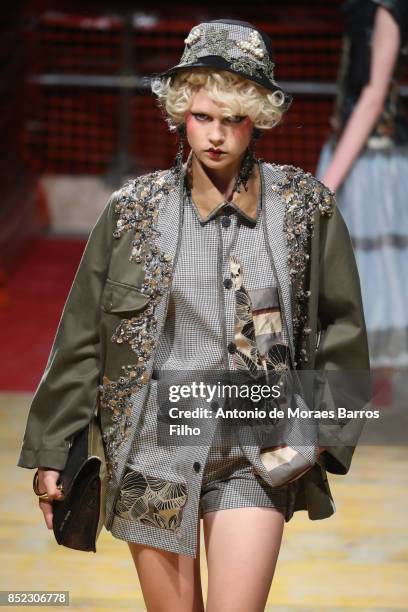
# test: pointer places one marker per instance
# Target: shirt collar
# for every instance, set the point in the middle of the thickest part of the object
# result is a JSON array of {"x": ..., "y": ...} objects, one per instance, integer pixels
[{"x": 208, "y": 202}]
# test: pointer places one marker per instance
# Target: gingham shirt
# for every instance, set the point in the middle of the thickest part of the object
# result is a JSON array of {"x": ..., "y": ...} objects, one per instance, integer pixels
[{"x": 198, "y": 333}]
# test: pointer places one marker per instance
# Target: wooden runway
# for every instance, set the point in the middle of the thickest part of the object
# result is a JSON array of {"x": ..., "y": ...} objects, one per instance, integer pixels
[{"x": 357, "y": 560}]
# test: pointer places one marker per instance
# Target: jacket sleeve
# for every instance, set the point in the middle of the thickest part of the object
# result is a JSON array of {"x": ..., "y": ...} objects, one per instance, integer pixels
[
  {"x": 67, "y": 393},
  {"x": 341, "y": 360}
]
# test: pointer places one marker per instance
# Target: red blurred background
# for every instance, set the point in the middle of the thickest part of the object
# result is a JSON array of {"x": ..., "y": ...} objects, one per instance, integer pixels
[{"x": 75, "y": 103}]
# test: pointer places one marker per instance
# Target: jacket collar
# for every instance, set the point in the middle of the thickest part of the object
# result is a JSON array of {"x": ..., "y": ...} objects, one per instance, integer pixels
[{"x": 208, "y": 201}]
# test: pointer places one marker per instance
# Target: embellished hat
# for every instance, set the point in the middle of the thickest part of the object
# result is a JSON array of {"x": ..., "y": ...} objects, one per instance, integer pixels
[{"x": 232, "y": 45}]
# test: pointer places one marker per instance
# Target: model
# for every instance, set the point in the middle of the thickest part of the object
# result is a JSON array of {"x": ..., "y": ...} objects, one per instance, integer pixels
[
  {"x": 224, "y": 263},
  {"x": 366, "y": 164}
]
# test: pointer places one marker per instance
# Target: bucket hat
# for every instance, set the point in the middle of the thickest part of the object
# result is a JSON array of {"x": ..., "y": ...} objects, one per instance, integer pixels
[{"x": 228, "y": 44}]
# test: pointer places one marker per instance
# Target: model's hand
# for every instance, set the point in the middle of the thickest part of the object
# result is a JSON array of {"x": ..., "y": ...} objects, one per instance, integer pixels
[{"x": 47, "y": 483}]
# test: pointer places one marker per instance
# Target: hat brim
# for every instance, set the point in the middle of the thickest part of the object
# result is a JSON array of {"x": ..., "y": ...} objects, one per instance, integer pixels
[{"x": 219, "y": 63}]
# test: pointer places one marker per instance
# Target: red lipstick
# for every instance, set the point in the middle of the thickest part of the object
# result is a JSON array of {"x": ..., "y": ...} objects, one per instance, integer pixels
[{"x": 215, "y": 153}]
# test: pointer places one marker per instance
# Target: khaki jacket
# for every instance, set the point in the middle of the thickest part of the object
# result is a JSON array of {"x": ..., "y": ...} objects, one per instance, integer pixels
[{"x": 104, "y": 347}]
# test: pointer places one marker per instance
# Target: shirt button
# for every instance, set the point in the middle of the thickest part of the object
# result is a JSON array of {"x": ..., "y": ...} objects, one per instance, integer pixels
[
  {"x": 214, "y": 405},
  {"x": 232, "y": 347},
  {"x": 196, "y": 466},
  {"x": 227, "y": 283},
  {"x": 225, "y": 221}
]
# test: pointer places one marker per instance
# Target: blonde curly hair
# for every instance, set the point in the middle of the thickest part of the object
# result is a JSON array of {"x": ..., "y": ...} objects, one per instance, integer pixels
[{"x": 235, "y": 94}]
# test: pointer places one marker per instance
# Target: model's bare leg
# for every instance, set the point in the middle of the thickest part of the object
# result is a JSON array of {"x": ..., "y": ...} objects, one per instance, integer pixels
[
  {"x": 169, "y": 581},
  {"x": 242, "y": 546}
]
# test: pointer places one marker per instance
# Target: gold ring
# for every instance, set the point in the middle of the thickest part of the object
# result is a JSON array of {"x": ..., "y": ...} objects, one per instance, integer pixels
[{"x": 42, "y": 496}]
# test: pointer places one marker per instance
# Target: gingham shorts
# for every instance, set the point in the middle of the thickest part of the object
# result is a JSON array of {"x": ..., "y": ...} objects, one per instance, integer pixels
[
  {"x": 229, "y": 482},
  {"x": 228, "y": 478}
]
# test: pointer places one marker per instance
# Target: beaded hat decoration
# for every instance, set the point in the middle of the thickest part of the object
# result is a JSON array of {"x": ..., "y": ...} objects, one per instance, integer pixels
[{"x": 232, "y": 45}]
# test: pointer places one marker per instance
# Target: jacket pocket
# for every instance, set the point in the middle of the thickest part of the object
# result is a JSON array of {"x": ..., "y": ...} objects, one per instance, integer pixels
[
  {"x": 151, "y": 500},
  {"x": 120, "y": 297},
  {"x": 120, "y": 304}
]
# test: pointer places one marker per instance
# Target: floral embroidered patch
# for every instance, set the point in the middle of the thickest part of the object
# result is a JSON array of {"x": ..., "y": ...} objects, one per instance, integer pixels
[
  {"x": 151, "y": 500},
  {"x": 257, "y": 326}
]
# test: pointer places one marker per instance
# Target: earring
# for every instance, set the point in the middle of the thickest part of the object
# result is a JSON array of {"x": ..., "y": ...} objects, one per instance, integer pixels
[
  {"x": 247, "y": 163},
  {"x": 178, "y": 160}
]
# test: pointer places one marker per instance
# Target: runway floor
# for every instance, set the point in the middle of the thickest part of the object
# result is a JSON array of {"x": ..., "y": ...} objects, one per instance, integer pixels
[{"x": 357, "y": 560}]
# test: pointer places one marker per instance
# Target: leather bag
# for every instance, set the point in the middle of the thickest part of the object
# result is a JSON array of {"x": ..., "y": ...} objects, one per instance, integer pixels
[{"x": 79, "y": 517}]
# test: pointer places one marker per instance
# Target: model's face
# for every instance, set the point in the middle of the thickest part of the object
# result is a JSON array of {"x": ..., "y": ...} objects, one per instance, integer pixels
[{"x": 217, "y": 141}]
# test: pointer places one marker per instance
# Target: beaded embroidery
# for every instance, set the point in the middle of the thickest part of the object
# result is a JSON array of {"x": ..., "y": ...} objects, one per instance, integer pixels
[
  {"x": 253, "y": 45},
  {"x": 303, "y": 195},
  {"x": 193, "y": 36},
  {"x": 215, "y": 41},
  {"x": 137, "y": 207}
]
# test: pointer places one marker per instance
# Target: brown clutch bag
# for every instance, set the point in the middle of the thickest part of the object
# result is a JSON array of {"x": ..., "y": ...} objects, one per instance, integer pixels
[{"x": 78, "y": 518}]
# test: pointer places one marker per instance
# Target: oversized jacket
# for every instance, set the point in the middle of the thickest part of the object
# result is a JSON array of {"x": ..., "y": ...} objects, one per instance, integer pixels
[{"x": 104, "y": 348}]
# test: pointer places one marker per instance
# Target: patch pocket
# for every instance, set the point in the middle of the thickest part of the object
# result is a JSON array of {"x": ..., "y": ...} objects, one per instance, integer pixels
[
  {"x": 119, "y": 297},
  {"x": 266, "y": 317},
  {"x": 151, "y": 500}
]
